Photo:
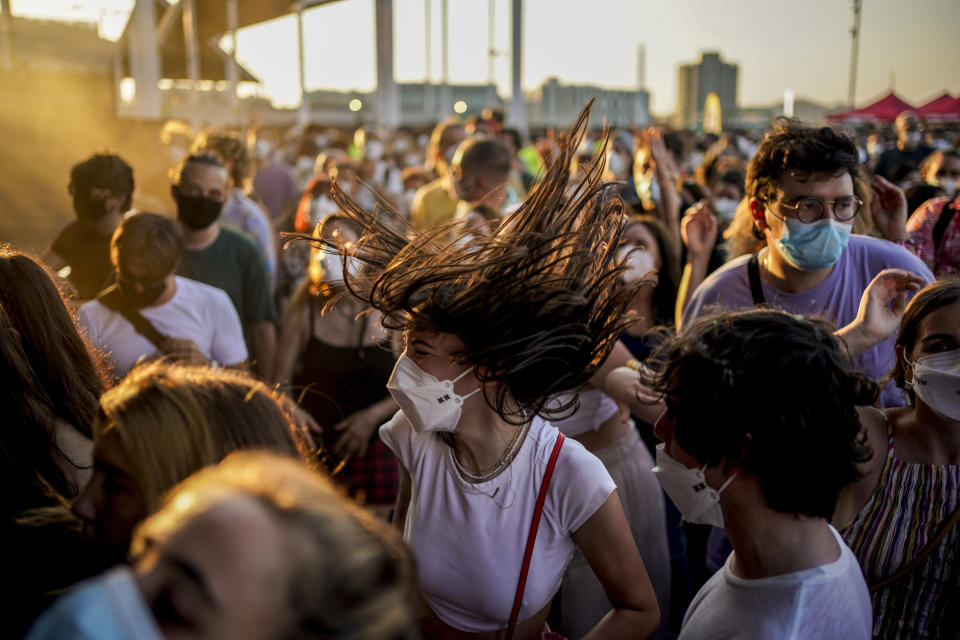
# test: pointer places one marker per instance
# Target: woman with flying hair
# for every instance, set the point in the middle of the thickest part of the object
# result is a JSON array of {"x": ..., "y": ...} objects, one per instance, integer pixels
[
  {"x": 257, "y": 547},
  {"x": 161, "y": 423},
  {"x": 493, "y": 501}
]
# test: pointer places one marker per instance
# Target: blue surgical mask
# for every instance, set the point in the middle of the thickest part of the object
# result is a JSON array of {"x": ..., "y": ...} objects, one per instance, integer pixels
[
  {"x": 108, "y": 607},
  {"x": 813, "y": 246}
]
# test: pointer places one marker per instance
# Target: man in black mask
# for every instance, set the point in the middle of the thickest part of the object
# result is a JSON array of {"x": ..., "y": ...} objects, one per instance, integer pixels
[
  {"x": 222, "y": 257},
  {"x": 101, "y": 188},
  {"x": 150, "y": 312}
]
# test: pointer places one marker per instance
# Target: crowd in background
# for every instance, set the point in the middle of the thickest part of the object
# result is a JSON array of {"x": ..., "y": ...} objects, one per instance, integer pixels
[{"x": 697, "y": 385}]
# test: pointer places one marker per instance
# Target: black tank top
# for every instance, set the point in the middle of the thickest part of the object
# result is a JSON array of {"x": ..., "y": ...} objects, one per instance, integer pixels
[{"x": 333, "y": 382}]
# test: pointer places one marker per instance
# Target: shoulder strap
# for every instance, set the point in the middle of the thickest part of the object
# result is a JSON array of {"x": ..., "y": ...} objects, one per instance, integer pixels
[
  {"x": 753, "y": 272},
  {"x": 940, "y": 229},
  {"x": 927, "y": 550},
  {"x": 532, "y": 536},
  {"x": 112, "y": 299}
]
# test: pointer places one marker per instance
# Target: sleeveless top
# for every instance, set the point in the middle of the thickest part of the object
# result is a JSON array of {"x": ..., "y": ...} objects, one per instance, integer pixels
[
  {"x": 332, "y": 382},
  {"x": 907, "y": 509}
]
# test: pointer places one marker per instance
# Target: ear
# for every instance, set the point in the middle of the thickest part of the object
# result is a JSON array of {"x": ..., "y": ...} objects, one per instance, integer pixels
[
  {"x": 904, "y": 364},
  {"x": 757, "y": 210}
]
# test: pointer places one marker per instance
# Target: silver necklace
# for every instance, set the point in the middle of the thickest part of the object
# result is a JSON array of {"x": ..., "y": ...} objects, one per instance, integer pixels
[{"x": 505, "y": 459}]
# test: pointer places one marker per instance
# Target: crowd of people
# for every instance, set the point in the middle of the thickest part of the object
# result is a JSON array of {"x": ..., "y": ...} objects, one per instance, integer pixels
[{"x": 469, "y": 383}]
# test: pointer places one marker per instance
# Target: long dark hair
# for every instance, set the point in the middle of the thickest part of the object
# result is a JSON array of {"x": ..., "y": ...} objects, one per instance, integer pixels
[
  {"x": 67, "y": 368},
  {"x": 31, "y": 464},
  {"x": 934, "y": 296},
  {"x": 668, "y": 276},
  {"x": 538, "y": 305}
]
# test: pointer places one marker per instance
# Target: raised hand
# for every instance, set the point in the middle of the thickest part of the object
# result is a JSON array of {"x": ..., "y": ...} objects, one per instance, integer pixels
[
  {"x": 889, "y": 209},
  {"x": 699, "y": 230}
]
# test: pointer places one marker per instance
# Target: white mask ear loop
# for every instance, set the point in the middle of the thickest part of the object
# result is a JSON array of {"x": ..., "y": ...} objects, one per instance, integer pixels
[
  {"x": 462, "y": 373},
  {"x": 908, "y": 383},
  {"x": 725, "y": 483},
  {"x": 464, "y": 397}
]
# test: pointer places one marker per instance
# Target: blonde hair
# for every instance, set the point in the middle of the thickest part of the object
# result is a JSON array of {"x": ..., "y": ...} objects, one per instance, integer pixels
[
  {"x": 351, "y": 576},
  {"x": 173, "y": 420}
]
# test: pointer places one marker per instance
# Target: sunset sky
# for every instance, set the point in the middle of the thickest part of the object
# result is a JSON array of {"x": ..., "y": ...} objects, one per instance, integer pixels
[{"x": 804, "y": 46}]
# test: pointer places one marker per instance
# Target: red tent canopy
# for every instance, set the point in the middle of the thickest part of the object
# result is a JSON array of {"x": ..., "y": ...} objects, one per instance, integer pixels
[
  {"x": 946, "y": 107},
  {"x": 885, "y": 109}
]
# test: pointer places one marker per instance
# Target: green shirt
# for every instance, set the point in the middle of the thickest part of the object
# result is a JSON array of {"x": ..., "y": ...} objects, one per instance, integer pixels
[{"x": 234, "y": 263}]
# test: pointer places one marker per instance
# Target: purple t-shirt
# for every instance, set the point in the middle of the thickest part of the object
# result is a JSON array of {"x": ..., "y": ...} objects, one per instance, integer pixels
[
  {"x": 836, "y": 299},
  {"x": 276, "y": 188}
]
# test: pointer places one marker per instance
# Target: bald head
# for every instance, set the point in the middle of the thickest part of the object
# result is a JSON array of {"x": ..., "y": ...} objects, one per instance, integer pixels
[{"x": 480, "y": 166}]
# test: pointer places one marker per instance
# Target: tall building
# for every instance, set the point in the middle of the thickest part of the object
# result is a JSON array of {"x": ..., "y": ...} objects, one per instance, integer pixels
[
  {"x": 557, "y": 105},
  {"x": 696, "y": 81}
]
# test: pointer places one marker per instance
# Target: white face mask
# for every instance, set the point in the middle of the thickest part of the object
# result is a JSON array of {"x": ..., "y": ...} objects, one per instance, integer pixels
[
  {"x": 320, "y": 208},
  {"x": 638, "y": 262},
  {"x": 333, "y": 267},
  {"x": 616, "y": 163},
  {"x": 914, "y": 138},
  {"x": 428, "y": 403},
  {"x": 725, "y": 208},
  {"x": 949, "y": 185},
  {"x": 305, "y": 164},
  {"x": 936, "y": 381},
  {"x": 262, "y": 149},
  {"x": 373, "y": 150},
  {"x": 407, "y": 200},
  {"x": 697, "y": 502}
]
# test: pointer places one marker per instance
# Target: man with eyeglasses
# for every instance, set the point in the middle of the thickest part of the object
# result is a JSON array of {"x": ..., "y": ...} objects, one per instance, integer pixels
[{"x": 800, "y": 189}]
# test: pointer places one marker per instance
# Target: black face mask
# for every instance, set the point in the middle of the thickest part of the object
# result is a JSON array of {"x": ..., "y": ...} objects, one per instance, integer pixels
[
  {"x": 197, "y": 212},
  {"x": 87, "y": 208},
  {"x": 147, "y": 296}
]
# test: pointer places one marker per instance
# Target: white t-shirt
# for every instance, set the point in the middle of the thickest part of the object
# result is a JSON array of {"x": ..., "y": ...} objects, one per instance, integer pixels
[
  {"x": 196, "y": 312},
  {"x": 595, "y": 408},
  {"x": 469, "y": 539},
  {"x": 829, "y": 601}
]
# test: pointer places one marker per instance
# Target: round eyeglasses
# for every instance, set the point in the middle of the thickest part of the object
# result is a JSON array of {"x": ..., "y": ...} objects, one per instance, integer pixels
[{"x": 811, "y": 208}]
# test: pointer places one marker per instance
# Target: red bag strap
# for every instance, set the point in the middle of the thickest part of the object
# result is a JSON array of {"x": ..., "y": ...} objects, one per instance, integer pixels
[{"x": 532, "y": 536}]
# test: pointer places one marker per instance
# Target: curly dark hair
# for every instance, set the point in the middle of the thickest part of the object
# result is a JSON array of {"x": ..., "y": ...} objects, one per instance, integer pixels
[
  {"x": 934, "y": 296},
  {"x": 538, "y": 305},
  {"x": 795, "y": 147},
  {"x": 104, "y": 171},
  {"x": 773, "y": 393}
]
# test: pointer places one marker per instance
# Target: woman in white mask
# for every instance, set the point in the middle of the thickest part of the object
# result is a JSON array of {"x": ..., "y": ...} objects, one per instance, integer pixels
[
  {"x": 493, "y": 500},
  {"x": 334, "y": 359},
  {"x": 604, "y": 426},
  {"x": 760, "y": 433},
  {"x": 910, "y": 491}
]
